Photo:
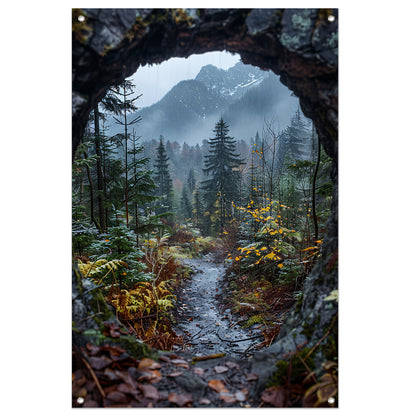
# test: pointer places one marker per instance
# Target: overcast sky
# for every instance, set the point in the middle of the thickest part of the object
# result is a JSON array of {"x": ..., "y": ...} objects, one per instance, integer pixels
[{"x": 155, "y": 81}]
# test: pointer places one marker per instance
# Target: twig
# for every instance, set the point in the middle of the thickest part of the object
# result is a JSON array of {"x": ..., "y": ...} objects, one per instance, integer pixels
[
  {"x": 87, "y": 364},
  {"x": 235, "y": 323},
  {"x": 208, "y": 357},
  {"x": 91, "y": 316},
  {"x": 306, "y": 366}
]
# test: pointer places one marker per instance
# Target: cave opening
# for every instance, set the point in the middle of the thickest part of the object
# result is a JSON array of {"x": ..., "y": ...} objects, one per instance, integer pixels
[{"x": 299, "y": 45}]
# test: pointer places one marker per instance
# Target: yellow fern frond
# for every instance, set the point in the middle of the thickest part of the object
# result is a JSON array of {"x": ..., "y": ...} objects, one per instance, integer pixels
[
  {"x": 151, "y": 330},
  {"x": 164, "y": 304}
]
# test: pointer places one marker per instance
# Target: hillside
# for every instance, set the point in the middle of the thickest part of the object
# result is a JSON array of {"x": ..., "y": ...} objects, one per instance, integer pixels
[{"x": 244, "y": 95}]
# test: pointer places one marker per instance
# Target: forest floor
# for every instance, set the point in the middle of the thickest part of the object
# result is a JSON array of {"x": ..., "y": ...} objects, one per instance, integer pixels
[{"x": 210, "y": 369}]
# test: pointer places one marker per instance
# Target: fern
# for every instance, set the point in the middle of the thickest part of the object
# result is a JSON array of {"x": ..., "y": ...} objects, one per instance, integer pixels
[
  {"x": 151, "y": 330},
  {"x": 98, "y": 268},
  {"x": 165, "y": 303}
]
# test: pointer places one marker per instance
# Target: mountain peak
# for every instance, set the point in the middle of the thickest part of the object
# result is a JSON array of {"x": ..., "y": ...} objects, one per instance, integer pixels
[{"x": 232, "y": 83}]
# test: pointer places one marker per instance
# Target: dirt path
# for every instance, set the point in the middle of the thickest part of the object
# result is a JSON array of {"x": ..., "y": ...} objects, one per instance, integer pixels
[
  {"x": 206, "y": 328},
  {"x": 177, "y": 379}
]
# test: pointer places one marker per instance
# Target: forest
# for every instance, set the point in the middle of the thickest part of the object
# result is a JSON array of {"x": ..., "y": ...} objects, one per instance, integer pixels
[{"x": 147, "y": 212}]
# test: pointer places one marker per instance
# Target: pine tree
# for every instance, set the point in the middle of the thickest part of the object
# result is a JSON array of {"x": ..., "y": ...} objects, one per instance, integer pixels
[
  {"x": 222, "y": 165},
  {"x": 141, "y": 184},
  {"x": 191, "y": 180},
  {"x": 125, "y": 90},
  {"x": 162, "y": 176},
  {"x": 198, "y": 209},
  {"x": 110, "y": 103},
  {"x": 186, "y": 204}
]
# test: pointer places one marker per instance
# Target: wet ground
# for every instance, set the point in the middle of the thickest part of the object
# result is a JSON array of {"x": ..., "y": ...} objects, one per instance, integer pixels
[{"x": 206, "y": 326}]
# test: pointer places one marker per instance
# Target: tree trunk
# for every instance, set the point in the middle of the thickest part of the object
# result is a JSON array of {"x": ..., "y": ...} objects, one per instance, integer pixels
[
  {"x": 100, "y": 176},
  {"x": 127, "y": 171},
  {"x": 93, "y": 219},
  {"x": 315, "y": 220}
]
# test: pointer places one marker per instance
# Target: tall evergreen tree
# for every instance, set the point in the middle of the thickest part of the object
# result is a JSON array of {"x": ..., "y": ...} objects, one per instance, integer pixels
[
  {"x": 162, "y": 176},
  {"x": 186, "y": 205},
  {"x": 141, "y": 184},
  {"x": 191, "y": 180},
  {"x": 198, "y": 209},
  {"x": 126, "y": 90},
  {"x": 222, "y": 165},
  {"x": 111, "y": 103}
]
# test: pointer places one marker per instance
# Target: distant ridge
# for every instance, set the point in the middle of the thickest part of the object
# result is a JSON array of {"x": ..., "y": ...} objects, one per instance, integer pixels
[{"x": 244, "y": 95}]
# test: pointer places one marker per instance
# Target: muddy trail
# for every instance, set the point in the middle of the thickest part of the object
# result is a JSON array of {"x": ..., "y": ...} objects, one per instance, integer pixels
[
  {"x": 204, "y": 322},
  {"x": 191, "y": 376}
]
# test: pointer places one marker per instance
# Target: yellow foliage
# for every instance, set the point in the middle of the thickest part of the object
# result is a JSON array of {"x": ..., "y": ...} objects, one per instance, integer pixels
[
  {"x": 145, "y": 297},
  {"x": 100, "y": 267}
]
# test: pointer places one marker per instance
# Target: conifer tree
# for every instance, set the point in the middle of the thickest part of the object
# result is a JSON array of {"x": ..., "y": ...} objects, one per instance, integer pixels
[
  {"x": 111, "y": 103},
  {"x": 191, "y": 180},
  {"x": 222, "y": 165},
  {"x": 186, "y": 204},
  {"x": 198, "y": 209},
  {"x": 162, "y": 176},
  {"x": 125, "y": 90},
  {"x": 141, "y": 184}
]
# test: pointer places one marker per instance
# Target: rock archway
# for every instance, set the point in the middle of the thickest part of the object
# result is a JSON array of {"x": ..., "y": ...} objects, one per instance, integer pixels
[{"x": 300, "y": 45}]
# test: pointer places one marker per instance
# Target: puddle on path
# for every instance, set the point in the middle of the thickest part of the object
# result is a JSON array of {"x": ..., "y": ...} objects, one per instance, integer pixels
[{"x": 205, "y": 329}]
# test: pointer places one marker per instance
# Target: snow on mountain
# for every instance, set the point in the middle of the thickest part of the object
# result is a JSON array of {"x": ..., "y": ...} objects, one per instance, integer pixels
[{"x": 232, "y": 83}]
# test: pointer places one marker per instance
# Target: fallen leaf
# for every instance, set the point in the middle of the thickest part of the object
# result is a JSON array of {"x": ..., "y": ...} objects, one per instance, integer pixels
[
  {"x": 204, "y": 401},
  {"x": 276, "y": 396},
  {"x": 117, "y": 397},
  {"x": 93, "y": 349},
  {"x": 232, "y": 365},
  {"x": 110, "y": 374},
  {"x": 127, "y": 378},
  {"x": 220, "y": 369},
  {"x": 125, "y": 388},
  {"x": 156, "y": 376},
  {"x": 200, "y": 371},
  {"x": 175, "y": 374},
  {"x": 149, "y": 391},
  {"x": 180, "y": 399},
  {"x": 251, "y": 377},
  {"x": 218, "y": 386},
  {"x": 112, "y": 329},
  {"x": 98, "y": 363},
  {"x": 152, "y": 376},
  {"x": 227, "y": 397},
  {"x": 180, "y": 363},
  {"x": 148, "y": 364},
  {"x": 325, "y": 392}
]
